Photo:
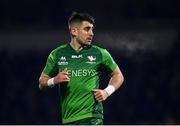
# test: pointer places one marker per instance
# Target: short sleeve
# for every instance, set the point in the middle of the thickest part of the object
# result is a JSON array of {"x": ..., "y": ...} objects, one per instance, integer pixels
[
  {"x": 51, "y": 68},
  {"x": 108, "y": 61}
]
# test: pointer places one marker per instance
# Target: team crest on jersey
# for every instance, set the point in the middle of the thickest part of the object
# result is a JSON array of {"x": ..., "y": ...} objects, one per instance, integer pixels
[
  {"x": 91, "y": 59},
  {"x": 62, "y": 61}
]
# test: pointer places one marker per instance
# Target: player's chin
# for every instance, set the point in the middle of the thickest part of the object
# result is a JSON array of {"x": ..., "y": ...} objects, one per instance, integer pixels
[{"x": 88, "y": 42}]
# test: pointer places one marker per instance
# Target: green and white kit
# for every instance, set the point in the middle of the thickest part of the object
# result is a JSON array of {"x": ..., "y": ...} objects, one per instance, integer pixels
[{"x": 84, "y": 68}]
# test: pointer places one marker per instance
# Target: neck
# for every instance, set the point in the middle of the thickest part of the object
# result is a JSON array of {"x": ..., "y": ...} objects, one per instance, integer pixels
[{"x": 75, "y": 45}]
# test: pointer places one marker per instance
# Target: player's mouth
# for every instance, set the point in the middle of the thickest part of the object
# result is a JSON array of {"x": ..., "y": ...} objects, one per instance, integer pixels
[{"x": 89, "y": 39}]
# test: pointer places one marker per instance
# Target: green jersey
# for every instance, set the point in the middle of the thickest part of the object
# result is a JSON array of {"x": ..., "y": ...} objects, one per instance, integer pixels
[{"x": 84, "y": 68}]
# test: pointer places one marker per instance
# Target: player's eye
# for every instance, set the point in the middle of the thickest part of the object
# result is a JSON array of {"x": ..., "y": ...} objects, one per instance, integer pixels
[{"x": 87, "y": 29}]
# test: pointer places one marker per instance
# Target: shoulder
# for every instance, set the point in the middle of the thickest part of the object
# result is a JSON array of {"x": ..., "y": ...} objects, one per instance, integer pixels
[
  {"x": 55, "y": 52},
  {"x": 59, "y": 49},
  {"x": 100, "y": 49},
  {"x": 104, "y": 53}
]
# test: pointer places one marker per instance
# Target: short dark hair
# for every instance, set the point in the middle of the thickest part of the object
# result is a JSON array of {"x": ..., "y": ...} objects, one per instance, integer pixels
[{"x": 79, "y": 17}]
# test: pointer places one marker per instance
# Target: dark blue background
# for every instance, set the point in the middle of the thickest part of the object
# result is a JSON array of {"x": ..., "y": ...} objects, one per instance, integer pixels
[{"x": 141, "y": 35}]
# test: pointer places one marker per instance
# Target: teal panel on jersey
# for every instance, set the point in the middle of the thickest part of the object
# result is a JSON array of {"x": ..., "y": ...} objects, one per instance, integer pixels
[{"x": 77, "y": 98}]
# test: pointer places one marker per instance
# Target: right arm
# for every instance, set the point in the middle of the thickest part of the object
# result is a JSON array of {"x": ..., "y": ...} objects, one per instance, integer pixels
[
  {"x": 43, "y": 81},
  {"x": 61, "y": 77}
]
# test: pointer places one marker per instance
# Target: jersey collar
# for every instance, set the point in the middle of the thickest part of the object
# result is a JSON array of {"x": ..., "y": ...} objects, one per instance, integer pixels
[{"x": 78, "y": 51}]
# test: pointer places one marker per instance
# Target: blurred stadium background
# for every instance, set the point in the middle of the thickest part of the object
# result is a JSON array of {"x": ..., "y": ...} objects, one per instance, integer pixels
[{"x": 142, "y": 36}]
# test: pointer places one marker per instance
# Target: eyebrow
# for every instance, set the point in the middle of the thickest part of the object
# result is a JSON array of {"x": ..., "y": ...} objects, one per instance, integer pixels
[{"x": 89, "y": 27}]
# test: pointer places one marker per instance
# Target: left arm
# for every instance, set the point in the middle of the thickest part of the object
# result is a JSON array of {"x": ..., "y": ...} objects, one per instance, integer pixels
[{"x": 115, "y": 82}]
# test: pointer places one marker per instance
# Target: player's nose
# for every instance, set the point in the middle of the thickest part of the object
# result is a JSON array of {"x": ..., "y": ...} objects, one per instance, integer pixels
[{"x": 91, "y": 32}]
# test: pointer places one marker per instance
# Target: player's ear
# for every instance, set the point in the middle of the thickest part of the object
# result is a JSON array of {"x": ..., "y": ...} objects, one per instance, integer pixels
[{"x": 73, "y": 31}]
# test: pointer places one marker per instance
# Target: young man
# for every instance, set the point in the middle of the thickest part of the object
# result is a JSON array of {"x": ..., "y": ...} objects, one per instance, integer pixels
[{"x": 76, "y": 67}]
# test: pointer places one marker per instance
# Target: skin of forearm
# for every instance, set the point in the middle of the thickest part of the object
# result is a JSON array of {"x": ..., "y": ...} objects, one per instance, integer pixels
[
  {"x": 117, "y": 79},
  {"x": 43, "y": 82}
]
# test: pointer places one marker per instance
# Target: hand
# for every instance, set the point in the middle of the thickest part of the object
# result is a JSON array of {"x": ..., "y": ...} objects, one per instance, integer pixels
[
  {"x": 62, "y": 77},
  {"x": 100, "y": 95}
]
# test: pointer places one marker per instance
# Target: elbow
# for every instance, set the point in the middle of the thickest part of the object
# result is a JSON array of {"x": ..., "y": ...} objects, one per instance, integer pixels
[
  {"x": 122, "y": 79},
  {"x": 43, "y": 82},
  {"x": 41, "y": 87}
]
